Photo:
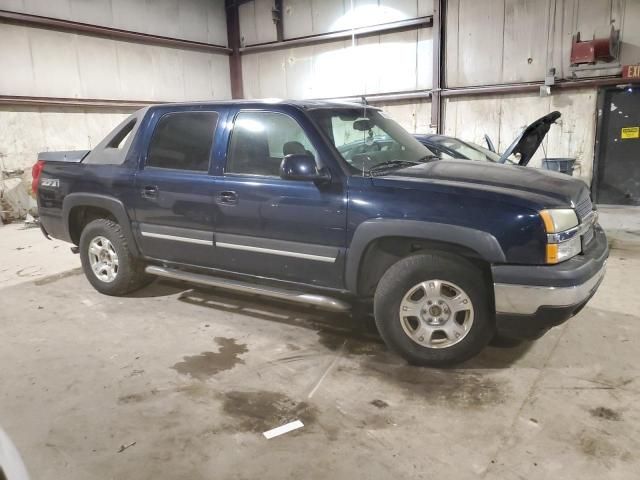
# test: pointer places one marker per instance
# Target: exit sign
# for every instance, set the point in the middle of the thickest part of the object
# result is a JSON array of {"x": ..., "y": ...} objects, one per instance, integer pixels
[{"x": 631, "y": 71}]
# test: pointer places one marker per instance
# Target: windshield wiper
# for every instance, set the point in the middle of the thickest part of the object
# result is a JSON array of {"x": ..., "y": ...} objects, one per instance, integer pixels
[
  {"x": 429, "y": 158},
  {"x": 389, "y": 164}
]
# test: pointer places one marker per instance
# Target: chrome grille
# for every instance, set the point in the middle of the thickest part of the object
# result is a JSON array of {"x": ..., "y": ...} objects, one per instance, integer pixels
[
  {"x": 584, "y": 207},
  {"x": 587, "y": 237}
]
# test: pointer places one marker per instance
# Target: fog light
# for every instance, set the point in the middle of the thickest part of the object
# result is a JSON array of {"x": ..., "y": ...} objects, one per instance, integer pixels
[{"x": 558, "y": 252}]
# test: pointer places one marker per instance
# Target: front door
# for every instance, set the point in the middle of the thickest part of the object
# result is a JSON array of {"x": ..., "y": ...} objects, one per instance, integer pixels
[
  {"x": 267, "y": 226},
  {"x": 618, "y": 169},
  {"x": 175, "y": 191}
]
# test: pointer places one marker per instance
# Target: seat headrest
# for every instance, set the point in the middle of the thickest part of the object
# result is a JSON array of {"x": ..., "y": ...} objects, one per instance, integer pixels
[{"x": 293, "y": 148}]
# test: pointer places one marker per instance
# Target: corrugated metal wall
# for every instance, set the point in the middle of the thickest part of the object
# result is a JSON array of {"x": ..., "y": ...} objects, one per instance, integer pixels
[
  {"x": 310, "y": 17},
  {"x": 302, "y": 18},
  {"x": 380, "y": 63},
  {"x": 46, "y": 63},
  {"x": 26, "y": 130},
  {"x": 414, "y": 116},
  {"x": 339, "y": 69},
  {"x": 199, "y": 20},
  {"x": 488, "y": 42},
  {"x": 503, "y": 116},
  {"x": 80, "y": 66},
  {"x": 505, "y": 41},
  {"x": 510, "y": 41}
]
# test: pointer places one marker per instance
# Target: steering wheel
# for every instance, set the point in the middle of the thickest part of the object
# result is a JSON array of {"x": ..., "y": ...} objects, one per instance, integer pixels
[
  {"x": 374, "y": 147},
  {"x": 361, "y": 161}
]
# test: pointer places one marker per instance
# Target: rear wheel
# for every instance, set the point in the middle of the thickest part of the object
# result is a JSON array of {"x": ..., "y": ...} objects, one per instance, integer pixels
[
  {"x": 107, "y": 261},
  {"x": 434, "y": 309}
]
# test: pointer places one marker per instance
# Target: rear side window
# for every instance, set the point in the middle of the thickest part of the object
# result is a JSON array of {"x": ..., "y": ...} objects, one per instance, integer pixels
[{"x": 183, "y": 141}]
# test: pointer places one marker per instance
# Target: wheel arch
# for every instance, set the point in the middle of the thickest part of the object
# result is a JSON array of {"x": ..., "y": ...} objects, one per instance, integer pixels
[
  {"x": 378, "y": 244},
  {"x": 80, "y": 208}
]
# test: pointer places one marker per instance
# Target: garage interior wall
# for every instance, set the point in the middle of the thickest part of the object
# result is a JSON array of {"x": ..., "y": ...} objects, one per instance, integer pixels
[
  {"x": 367, "y": 65},
  {"x": 47, "y": 63},
  {"x": 516, "y": 41},
  {"x": 488, "y": 42},
  {"x": 364, "y": 65}
]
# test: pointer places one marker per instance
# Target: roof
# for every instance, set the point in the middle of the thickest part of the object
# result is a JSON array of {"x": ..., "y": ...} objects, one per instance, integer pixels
[{"x": 304, "y": 104}]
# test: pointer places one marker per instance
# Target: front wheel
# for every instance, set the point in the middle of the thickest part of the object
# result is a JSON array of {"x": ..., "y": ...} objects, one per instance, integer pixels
[
  {"x": 107, "y": 261},
  {"x": 434, "y": 309}
]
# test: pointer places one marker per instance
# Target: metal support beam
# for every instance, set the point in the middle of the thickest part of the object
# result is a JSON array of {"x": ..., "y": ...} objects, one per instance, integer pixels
[
  {"x": 391, "y": 27},
  {"x": 410, "y": 95},
  {"x": 406, "y": 96},
  {"x": 235, "y": 60},
  {"x": 598, "y": 150},
  {"x": 106, "y": 32},
  {"x": 438, "y": 40},
  {"x": 534, "y": 87},
  {"x": 390, "y": 97},
  {"x": 74, "y": 102},
  {"x": 278, "y": 16}
]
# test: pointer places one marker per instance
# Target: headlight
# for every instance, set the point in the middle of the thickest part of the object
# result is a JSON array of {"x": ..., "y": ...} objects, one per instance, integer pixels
[
  {"x": 563, "y": 239},
  {"x": 556, "y": 221}
]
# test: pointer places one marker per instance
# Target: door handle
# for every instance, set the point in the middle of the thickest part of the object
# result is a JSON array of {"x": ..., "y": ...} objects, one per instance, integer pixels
[
  {"x": 150, "y": 191},
  {"x": 228, "y": 198}
]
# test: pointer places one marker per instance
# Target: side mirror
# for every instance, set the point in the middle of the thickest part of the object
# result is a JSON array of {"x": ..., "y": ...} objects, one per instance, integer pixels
[{"x": 302, "y": 167}]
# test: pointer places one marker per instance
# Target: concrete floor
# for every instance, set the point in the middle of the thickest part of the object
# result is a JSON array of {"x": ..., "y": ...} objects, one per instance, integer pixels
[
  {"x": 194, "y": 376},
  {"x": 26, "y": 255}
]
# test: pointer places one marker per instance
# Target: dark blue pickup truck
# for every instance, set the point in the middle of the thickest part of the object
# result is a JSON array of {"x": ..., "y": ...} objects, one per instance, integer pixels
[{"x": 256, "y": 196}]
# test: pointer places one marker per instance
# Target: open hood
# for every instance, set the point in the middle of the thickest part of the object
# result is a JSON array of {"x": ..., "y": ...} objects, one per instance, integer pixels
[{"x": 527, "y": 143}]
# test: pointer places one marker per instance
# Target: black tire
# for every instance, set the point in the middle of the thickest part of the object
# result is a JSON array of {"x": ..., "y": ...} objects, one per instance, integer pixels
[
  {"x": 401, "y": 277},
  {"x": 130, "y": 274}
]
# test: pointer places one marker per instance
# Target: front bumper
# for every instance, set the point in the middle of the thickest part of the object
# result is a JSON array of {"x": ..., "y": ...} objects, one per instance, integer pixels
[{"x": 530, "y": 300}]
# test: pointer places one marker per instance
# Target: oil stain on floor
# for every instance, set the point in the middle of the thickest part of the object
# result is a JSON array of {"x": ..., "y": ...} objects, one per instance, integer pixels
[
  {"x": 208, "y": 364},
  {"x": 351, "y": 342},
  {"x": 258, "y": 411},
  {"x": 454, "y": 387},
  {"x": 606, "y": 413}
]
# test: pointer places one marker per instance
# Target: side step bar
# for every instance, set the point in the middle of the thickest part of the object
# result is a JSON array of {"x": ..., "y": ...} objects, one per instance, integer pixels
[{"x": 320, "y": 301}]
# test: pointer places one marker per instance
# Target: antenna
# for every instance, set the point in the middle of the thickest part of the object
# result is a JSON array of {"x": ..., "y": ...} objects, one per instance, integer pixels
[{"x": 364, "y": 114}]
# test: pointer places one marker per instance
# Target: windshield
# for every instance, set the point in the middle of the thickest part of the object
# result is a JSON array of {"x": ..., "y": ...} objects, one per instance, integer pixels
[
  {"x": 368, "y": 141},
  {"x": 468, "y": 150},
  {"x": 492, "y": 156}
]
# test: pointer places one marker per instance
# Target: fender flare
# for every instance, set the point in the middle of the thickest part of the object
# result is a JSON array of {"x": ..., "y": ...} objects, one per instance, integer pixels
[
  {"x": 485, "y": 244},
  {"x": 111, "y": 204}
]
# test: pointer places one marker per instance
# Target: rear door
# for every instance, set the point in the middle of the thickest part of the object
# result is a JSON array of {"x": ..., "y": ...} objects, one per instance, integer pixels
[
  {"x": 267, "y": 226},
  {"x": 175, "y": 191}
]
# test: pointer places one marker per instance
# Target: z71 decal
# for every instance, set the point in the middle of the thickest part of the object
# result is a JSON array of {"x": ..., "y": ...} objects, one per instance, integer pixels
[{"x": 50, "y": 182}]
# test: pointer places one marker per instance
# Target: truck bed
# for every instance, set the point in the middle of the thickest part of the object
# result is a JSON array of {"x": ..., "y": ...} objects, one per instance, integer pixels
[{"x": 73, "y": 156}]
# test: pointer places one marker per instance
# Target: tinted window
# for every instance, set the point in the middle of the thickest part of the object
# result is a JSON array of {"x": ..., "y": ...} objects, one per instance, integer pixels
[
  {"x": 260, "y": 140},
  {"x": 183, "y": 141}
]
